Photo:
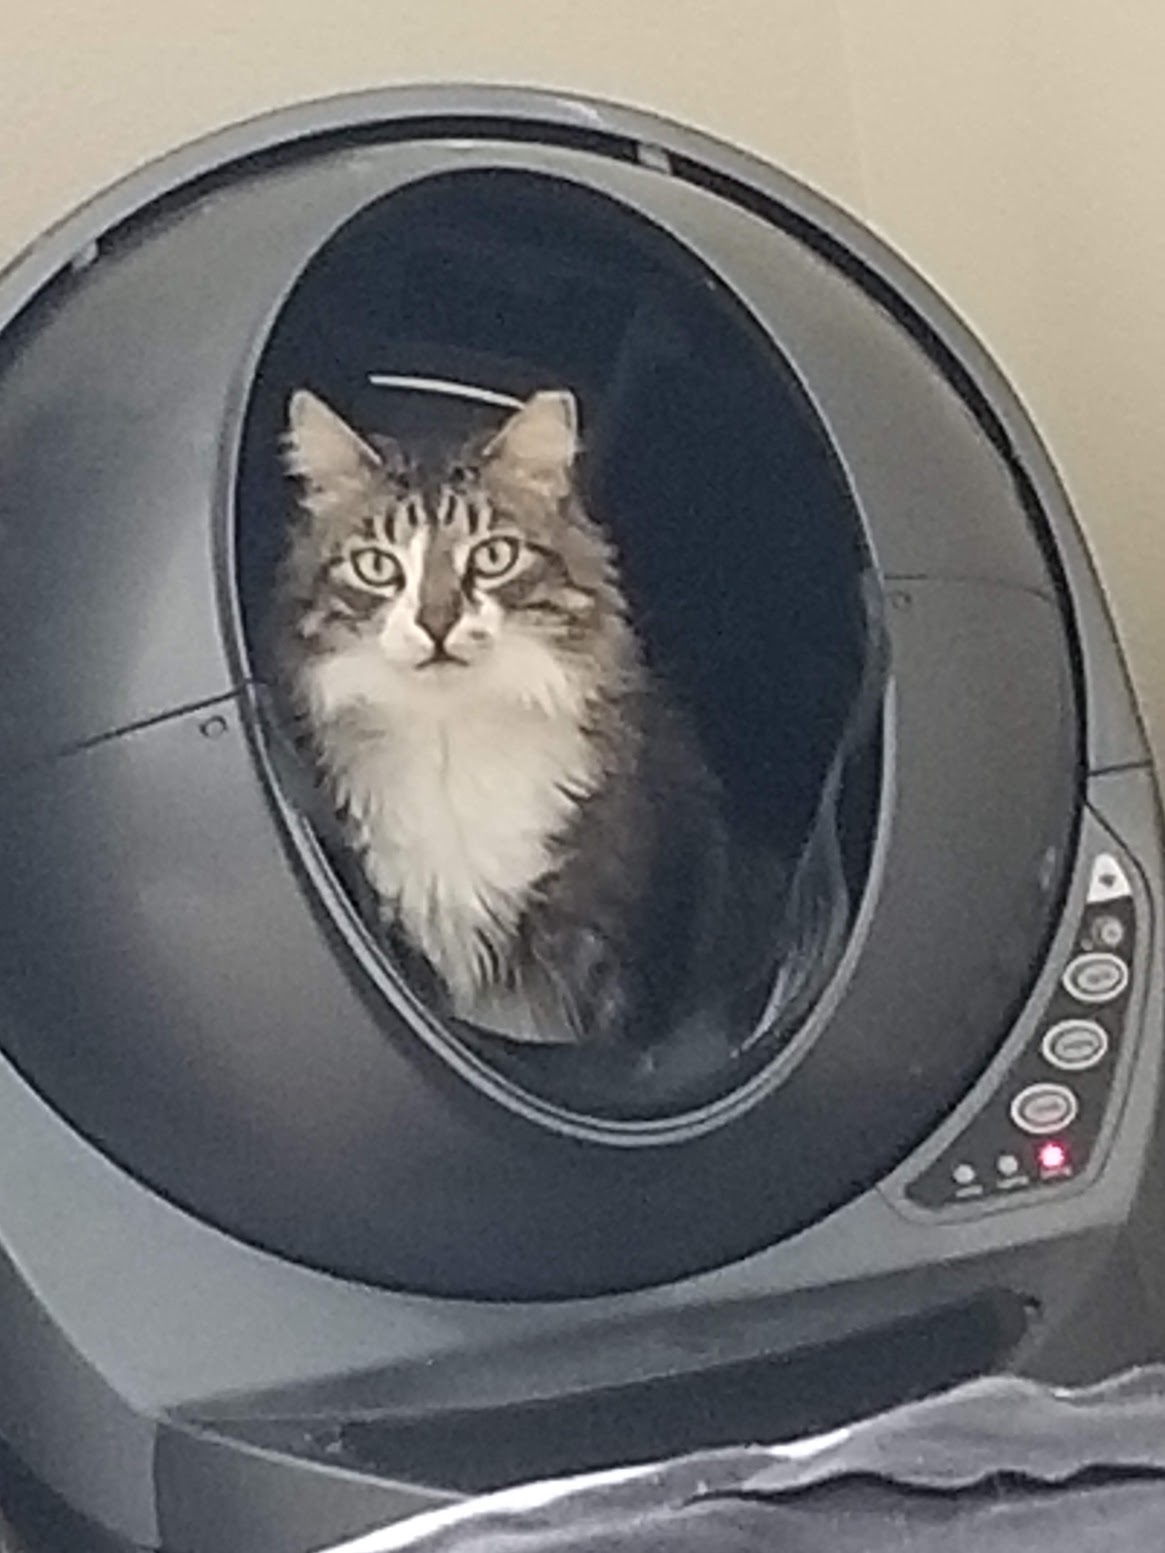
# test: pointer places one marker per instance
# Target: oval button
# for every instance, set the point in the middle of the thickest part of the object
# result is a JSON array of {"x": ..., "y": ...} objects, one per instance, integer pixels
[
  {"x": 1044, "y": 1108},
  {"x": 1095, "y": 978},
  {"x": 1075, "y": 1044}
]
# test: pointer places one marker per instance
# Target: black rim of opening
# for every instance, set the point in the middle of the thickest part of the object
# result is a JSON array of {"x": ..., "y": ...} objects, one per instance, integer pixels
[{"x": 769, "y": 1059}]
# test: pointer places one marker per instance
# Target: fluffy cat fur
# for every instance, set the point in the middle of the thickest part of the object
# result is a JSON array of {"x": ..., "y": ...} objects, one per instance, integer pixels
[{"x": 534, "y": 818}]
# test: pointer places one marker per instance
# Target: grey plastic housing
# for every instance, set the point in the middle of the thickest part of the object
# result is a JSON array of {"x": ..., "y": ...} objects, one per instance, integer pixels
[
  {"x": 180, "y": 1140},
  {"x": 188, "y": 937},
  {"x": 145, "y": 1354}
]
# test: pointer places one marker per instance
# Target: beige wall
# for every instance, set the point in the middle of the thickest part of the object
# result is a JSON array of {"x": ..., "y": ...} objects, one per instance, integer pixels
[{"x": 1014, "y": 149}]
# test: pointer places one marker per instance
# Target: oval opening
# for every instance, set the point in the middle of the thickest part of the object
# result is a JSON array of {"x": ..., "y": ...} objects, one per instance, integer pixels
[{"x": 741, "y": 550}]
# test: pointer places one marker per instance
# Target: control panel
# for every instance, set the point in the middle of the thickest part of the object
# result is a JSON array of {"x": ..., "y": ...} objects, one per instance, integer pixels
[{"x": 1041, "y": 1126}]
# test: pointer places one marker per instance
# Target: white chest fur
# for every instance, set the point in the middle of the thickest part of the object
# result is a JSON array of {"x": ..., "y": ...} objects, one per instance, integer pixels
[{"x": 458, "y": 800}]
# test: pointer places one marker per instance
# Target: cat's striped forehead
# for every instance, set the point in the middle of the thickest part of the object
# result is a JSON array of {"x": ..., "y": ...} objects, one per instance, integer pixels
[{"x": 455, "y": 510}]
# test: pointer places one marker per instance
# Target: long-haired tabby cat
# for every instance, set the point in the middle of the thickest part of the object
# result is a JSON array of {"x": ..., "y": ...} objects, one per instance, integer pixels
[{"x": 533, "y": 815}]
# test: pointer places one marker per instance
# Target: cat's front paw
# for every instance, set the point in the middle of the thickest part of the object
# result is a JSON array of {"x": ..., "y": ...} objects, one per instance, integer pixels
[{"x": 588, "y": 982}]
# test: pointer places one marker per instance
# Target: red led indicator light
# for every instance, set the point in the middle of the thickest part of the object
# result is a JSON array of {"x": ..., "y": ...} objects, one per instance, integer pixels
[{"x": 1052, "y": 1158}]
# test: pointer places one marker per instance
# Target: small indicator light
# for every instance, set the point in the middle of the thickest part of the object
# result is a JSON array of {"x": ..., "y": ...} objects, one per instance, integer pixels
[{"x": 1052, "y": 1158}]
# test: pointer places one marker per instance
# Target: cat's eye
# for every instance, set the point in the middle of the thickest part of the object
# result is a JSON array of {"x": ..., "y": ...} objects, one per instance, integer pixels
[
  {"x": 377, "y": 568},
  {"x": 494, "y": 558}
]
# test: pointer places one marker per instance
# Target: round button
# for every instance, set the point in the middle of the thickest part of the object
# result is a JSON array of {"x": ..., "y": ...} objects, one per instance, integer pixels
[
  {"x": 1095, "y": 978},
  {"x": 1075, "y": 1044},
  {"x": 1109, "y": 931},
  {"x": 963, "y": 1175},
  {"x": 1007, "y": 1165},
  {"x": 1044, "y": 1108}
]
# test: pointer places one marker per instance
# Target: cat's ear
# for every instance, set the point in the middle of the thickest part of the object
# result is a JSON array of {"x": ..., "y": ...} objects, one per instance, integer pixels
[
  {"x": 537, "y": 446},
  {"x": 322, "y": 450}
]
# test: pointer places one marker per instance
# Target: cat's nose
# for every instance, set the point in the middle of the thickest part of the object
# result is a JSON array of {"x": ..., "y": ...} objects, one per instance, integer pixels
[{"x": 437, "y": 617}]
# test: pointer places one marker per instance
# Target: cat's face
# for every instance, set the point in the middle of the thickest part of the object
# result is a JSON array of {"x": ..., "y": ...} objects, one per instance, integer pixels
[{"x": 475, "y": 572}]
